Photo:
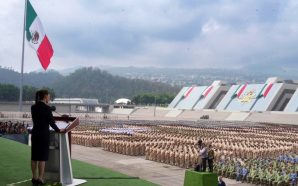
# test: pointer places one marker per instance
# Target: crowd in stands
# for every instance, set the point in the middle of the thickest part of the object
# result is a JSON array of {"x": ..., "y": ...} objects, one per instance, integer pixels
[
  {"x": 248, "y": 152},
  {"x": 13, "y": 127}
]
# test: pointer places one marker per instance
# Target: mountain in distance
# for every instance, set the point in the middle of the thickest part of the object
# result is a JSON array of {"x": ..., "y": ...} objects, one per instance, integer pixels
[
  {"x": 251, "y": 73},
  {"x": 114, "y": 82},
  {"x": 283, "y": 71},
  {"x": 93, "y": 82},
  {"x": 87, "y": 83},
  {"x": 68, "y": 71},
  {"x": 187, "y": 77},
  {"x": 35, "y": 79},
  {"x": 183, "y": 76},
  {"x": 64, "y": 72}
]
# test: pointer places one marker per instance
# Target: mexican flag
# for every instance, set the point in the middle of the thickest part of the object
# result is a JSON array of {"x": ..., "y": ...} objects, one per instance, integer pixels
[
  {"x": 37, "y": 38},
  {"x": 239, "y": 90},
  {"x": 187, "y": 92},
  {"x": 207, "y": 91},
  {"x": 266, "y": 89}
]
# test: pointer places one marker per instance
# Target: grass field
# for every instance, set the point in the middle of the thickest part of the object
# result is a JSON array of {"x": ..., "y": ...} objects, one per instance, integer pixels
[{"x": 15, "y": 167}]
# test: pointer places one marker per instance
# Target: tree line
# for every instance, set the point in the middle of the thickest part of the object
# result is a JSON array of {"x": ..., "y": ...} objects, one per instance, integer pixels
[
  {"x": 9, "y": 92},
  {"x": 86, "y": 83}
]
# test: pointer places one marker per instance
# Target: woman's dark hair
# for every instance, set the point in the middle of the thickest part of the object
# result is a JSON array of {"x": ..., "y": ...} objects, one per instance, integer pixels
[{"x": 40, "y": 94}]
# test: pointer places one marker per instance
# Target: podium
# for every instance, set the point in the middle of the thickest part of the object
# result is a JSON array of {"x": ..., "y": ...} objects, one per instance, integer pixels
[
  {"x": 58, "y": 168},
  {"x": 193, "y": 178}
]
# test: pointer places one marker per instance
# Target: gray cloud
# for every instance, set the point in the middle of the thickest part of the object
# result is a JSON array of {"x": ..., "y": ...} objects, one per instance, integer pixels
[{"x": 168, "y": 33}]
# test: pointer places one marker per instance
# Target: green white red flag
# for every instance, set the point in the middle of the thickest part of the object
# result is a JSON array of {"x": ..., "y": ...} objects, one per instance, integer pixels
[
  {"x": 239, "y": 91},
  {"x": 266, "y": 89},
  {"x": 187, "y": 92},
  {"x": 37, "y": 38},
  {"x": 207, "y": 91}
]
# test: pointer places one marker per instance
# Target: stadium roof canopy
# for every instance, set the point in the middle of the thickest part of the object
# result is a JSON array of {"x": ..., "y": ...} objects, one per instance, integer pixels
[
  {"x": 199, "y": 97},
  {"x": 270, "y": 96}
]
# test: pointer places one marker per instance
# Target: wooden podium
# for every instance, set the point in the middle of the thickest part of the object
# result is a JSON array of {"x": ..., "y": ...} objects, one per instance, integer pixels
[{"x": 58, "y": 168}]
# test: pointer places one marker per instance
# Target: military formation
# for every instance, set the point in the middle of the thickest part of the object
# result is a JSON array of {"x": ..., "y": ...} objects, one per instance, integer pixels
[
  {"x": 12, "y": 127},
  {"x": 263, "y": 171},
  {"x": 248, "y": 152}
]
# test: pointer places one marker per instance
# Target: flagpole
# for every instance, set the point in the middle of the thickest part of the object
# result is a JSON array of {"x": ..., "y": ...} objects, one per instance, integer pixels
[{"x": 22, "y": 66}]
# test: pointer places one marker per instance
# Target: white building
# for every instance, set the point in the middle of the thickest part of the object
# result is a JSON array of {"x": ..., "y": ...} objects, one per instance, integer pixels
[
  {"x": 200, "y": 97},
  {"x": 81, "y": 104}
]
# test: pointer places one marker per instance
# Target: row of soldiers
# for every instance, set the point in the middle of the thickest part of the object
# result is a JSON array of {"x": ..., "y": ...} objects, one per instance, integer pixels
[
  {"x": 182, "y": 156},
  {"x": 131, "y": 148},
  {"x": 224, "y": 145}
]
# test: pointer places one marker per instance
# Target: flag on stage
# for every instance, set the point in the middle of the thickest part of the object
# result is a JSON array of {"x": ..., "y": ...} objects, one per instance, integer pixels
[
  {"x": 266, "y": 89},
  {"x": 187, "y": 92},
  {"x": 207, "y": 91},
  {"x": 37, "y": 38}
]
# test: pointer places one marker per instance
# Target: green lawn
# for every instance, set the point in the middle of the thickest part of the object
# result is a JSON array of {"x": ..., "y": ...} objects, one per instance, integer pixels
[{"x": 15, "y": 167}]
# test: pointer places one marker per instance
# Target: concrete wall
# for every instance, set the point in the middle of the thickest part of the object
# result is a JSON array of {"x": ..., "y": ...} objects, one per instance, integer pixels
[{"x": 292, "y": 106}]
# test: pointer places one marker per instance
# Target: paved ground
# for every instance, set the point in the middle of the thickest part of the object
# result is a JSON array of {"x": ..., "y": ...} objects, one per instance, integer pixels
[{"x": 159, "y": 173}]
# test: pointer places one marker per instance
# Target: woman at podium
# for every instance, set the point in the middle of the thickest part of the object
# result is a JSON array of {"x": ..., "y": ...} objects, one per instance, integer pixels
[{"x": 42, "y": 118}]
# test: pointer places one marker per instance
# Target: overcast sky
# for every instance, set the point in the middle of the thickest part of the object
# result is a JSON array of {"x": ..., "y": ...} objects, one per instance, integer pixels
[{"x": 159, "y": 33}]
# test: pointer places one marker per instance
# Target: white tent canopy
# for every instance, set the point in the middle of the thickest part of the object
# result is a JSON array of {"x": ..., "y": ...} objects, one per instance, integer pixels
[{"x": 123, "y": 101}]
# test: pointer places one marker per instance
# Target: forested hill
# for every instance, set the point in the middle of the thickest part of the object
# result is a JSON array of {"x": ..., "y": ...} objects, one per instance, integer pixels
[
  {"x": 35, "y": 79},
  {"x": 87, "y": 83},
  {"x": 95, "y": 83}
]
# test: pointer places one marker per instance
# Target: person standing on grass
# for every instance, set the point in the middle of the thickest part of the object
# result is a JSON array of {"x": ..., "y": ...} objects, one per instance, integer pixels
[{"x": 42, "y": 118}]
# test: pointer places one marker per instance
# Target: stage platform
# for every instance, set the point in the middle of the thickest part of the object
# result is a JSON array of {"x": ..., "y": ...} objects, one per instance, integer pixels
[{"x": 15, "y": 169}]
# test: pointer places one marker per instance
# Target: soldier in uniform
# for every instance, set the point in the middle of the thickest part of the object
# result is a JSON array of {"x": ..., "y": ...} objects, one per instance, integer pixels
[
  {"x": 167, "y": 156},
  {"x": 181, "y": 159},
  {"x": 172, "y": 157},
  {"x": 187, "y": 160},
  {"x": 147, "y": 152},
  {"x": 210, "y": 158},
  {"x": 176, "y": 160}
]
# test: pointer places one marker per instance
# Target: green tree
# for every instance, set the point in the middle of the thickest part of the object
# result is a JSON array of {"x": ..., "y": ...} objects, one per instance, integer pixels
[
  {"x": 29, "y": 93},
  {"x": 8, "y": 92}
]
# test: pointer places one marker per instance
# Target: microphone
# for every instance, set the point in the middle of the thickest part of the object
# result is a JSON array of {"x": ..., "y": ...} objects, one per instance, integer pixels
[{"x": 53, "y": 109}]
